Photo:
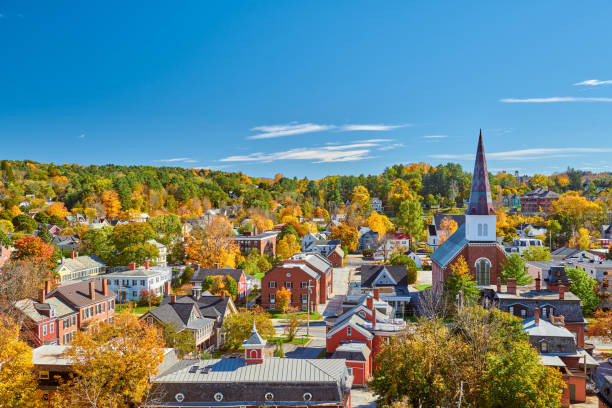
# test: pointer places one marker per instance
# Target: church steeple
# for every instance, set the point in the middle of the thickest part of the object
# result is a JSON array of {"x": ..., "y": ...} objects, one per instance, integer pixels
[{"x": 481, "y": 202}]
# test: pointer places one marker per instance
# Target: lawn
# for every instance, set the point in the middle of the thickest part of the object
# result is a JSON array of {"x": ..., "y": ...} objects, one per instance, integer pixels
[
  {"x": 299, "y": 340},
  {"x": 277, "y": 314},
  {"x": 140, "y": 310},
  {"x": 422, "y": 286}
]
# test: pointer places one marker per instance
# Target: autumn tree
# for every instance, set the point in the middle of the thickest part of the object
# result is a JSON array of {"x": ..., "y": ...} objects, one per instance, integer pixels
[
  {"x": 213, "y": 244},
  {"x": 584, "y": 287},
  {"x": 581, "y": 239},
  {"x": 130, "y": 243},
  {"x": 238, "y": 327},
  {"x": 17, "y": 381},
  {"x": 294, "y": 320},
  {"x": 183, "y": 342},
  {"x": 361, "y": 197},
  {"x": 461, "y": 282},
  {"x": 514, "y": 268},
  {"x": 410, "y": 218},
  {"x": 20, "y": 279},
  {"x": 112, "y": 364},
  {"x": 601, "y": 324},
  {"x": 33, "y": 248},
  {"x": 58, "y": 209},
  {"x": 448, "y": 226},
  {"x": 537, "y": 253},
  {"x": 348, "y": 236},
  {"x": 379, "y": 223},
  {"x": 111, "y": 203},
  {"x": 167, "y": 227},
  {"x": 288, "y": 246},
  {"x": 283, "y": 299}
]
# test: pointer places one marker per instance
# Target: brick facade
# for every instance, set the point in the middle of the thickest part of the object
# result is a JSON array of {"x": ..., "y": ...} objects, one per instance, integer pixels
[{"x": 296, "y": 280}]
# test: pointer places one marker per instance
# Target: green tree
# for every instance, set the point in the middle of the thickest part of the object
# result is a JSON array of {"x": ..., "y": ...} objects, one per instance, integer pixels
[
  {"x": 183, "y": 342},
  {"x": 4, "y": 239},
  {"x": 410, "y": 217},
  {"x": 98, "y": 242},
  {"x": 231, "y": 286},
  {"x": 584, "y": 287},
  {"x": 238, "y": 327},
  {"x": 167, "y": 227},
  {"x": 514, "y": 267},
  {"x": 24, "y": 223},
  {"x": 43, "y": 233},
  {"x": 537, "y": 253},
  {"x": 397, "y": 258},
  {"x": 208, "y": 283},
  {"x": 288, "y": 229},
  {"x": 186, "y": 275}
]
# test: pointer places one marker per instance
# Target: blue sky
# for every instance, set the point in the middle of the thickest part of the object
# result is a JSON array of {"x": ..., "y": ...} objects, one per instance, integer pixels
[{"x": 307, "y": 88}]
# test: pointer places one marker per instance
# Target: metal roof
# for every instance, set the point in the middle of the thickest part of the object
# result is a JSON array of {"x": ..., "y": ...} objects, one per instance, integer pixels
[
  {"x": 545, "y": 328},
  {"x": 446, "y": 252}
]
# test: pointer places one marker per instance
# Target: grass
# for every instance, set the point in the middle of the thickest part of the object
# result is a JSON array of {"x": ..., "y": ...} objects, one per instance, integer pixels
[
  {"x": 259, "y": 275},
  {"x": 277, "y": 314},
  {"x": 135, "y": 309},
  {"x": 299, "y": 340},
  {"x": 422, "y": 286}
]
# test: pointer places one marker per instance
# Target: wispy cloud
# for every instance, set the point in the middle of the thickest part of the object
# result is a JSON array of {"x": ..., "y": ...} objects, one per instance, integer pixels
[
  {"x": 381, "y": 128},
  {"x": 593, "y": 82},
  {"x": 358, "y": 150},
  {"x": 390, "y": 147},
  {"x": 178, "y": 160},
  {"x": 291, "y": 129},
  {"x": 435, "y": 137},
  {"x": 529, "y": 154},
  {"x": 554, "y": 99},
  {"x": 269, "y": 132},
  {"x": 219, "y": 167},
  {"x": 82, "y": 136}
]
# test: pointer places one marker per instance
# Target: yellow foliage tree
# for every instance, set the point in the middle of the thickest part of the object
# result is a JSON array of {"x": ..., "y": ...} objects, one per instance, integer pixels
[
  {"x": 579, "y": 211},
  {"x": 110, "y": 201},
  {"x": 17, "y": 381},
  {"x": 213, "y": 244},
  {"x": 379, "y": 223},
  {"x": 581, "y": 239},
  {"x": 361, "y": 196},
  {"x": 283, "y": 299},
  {"x": 288, "y": 246},
  {"x": 400, "y": 191},
  {"x": 448, "y": 226},
  {"x": 112, "y": 364},
  {"x": 15, "y": 211},
  {"x": 263, "y": 223},
  {"x": 58, "y": 209}
]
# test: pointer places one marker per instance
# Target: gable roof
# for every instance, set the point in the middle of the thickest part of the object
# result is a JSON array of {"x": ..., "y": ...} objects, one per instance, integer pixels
[
  {"x": 545, "y": 329},
  {"x": 315, "y": 260},
  {"x": 541, "y": 192},
  {"x": 77, "y": 294},
  {"x": 182, "y": 315},
  {"x": 202, "y": 273},
  {"x": 210, "y": 306},
  {"x": 32, "y": 308},
  {"x": 450, "y": 248},
  {"x": 81, "y": 263},
  {"x": 353, "y": 351},
  {"x": 369, "y": 273}
]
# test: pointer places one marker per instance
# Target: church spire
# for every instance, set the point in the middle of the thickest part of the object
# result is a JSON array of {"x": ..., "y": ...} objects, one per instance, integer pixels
[{"x": 481, "y": 202}]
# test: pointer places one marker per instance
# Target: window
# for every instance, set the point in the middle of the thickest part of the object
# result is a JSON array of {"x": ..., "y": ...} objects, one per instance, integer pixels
[
  {"x": 116, "y": 282},
  {"x": 544, "y": 312},
  {"x": 272, "y": 284},
  {"x": 485, "y": 231},
  {"x": 523, "y": 312},
  {"x": 288, "y": 285},
  {"x": 304, "y": 298},
  {"x": 483, "y": 269},
  {"x": 511, "y": 310},
  {"x": 134, "y": 293},
  {"x": 272, "y": 298},
  {"x": 480, "y": 230},
  {"x": 350, "y": 370},
  {"x": 304, "y": 285},
  {"x": 349, "y": 331},
  {"x": 543, "y": 347},
  {"x": 134, "y": 282},
  {"x": 52, "y": 327},
  {"x": 44, "y": 330},
  {"x": 43, "y": 375},
  {"x": 73, "y": 320},
  {"x": 142, "y": 282},
  {"x": 91, "y": 313}
]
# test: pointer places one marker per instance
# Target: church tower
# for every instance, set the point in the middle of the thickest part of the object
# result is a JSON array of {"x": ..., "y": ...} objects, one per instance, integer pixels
[{"x": 480, "y": 218}]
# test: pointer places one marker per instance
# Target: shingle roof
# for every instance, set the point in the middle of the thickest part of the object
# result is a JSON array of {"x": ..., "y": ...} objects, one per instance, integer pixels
[
  {"x": 446, "y": 252},
  {"x": 182, "y": 315},
  {"x": 77, "y": 294},
  {"x": 83, "y": 262},
  {"x": 352, "y": 351},
  {"x": 369, "y": 273},
  {"x": 568, "y": 307},
  {"x": 139, "y": 272},
  {"x": 541, "y": 192},
  {"x": 212, "y": 307},
  {"x": 304, "y": 267},
  {"x": 32, "y": 308},
  {"x": 545, "y": 329},
  {"x": 315, "y": 260},
  {"x": 202, "y": 273}
]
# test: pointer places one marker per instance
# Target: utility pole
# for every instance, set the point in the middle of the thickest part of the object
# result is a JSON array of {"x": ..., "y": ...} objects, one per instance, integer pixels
[{"x": 308, "y": 310}]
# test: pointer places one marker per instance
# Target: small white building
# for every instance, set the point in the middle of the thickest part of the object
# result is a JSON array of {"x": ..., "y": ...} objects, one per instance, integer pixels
[
  {"x": 129, "y": 284},
  {"x": 163, "y": 253},
  {"x": 376, "y": 204}
]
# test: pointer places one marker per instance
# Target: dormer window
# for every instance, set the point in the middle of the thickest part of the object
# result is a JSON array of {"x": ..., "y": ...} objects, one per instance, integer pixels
[
  {"x": 349, "y": 331},
  {"x": 543, "y": 347}
]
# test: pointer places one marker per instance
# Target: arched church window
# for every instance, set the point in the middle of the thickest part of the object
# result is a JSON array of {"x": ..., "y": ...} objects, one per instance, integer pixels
[{"x": 483, "y": 269}]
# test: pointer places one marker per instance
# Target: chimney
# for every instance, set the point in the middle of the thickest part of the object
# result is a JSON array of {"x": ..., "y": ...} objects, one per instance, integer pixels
[
  {"x": 167, "y": 288},
  {"x": 538, "y": 282},
  {"x": 223, "y": 294},
  {"x": 41, "y": 296},
  {"x": 511, "y": 286},
  {"x": 105, "y": 287},
  {"x": 172, "y": 299},
  {"x": 73, "y": 254},
  {"x": 216, "y": 266},
  {"x": 147, "y": 264},
  {"x": 561, "y": 292},
  {"x": 536, "y": 316},
  {"x": 370, "y": 303},
  {"x": 195, "y": 292},
  {"x": 376, "y": 294},
  {"x": 92, "y": 290},
  {"x": 498, "y": 284},
  {"x": 47, "y": 286},
  {"x": 132, "y": 266}
]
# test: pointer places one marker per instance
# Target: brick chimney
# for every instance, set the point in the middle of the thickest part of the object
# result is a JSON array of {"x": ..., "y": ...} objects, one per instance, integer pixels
[
  {"x": 376, "y": 294},
  {"x": 370, "y": 303},
  {"x": 511, "y": 286},
  {"x": 498, "y": 284},
  {"x": 536, "y": 316},
  {"x": 47, "y": 286},
  {"x": 147, "y": 264},
  {"x": 223, "y": 294},
  {"x": 92, "y": 290},
  {"x": 167, "y": 288},
  {"x": 105, "y": 287},
  {"x": 172, "y": 299},
  {"x": 73, "y": 254},
  {"x": 374, "y": 319},
  {"x": 561, "y": 292},
  {"x": 41, "y": 296},
  {"x": 538, "y": 282},
  {"x": 132, "y": 266}
]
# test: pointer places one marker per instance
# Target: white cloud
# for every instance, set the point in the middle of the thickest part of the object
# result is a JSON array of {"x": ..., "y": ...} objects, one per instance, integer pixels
[
  {"x": 291, "y": 129},
  {"x": 221, "y": 167},
  {"x": 529, "y": 154},
  {"x": 435, "y": 137},
  {"x": 593, "y": 82},
  {"x": 269, "y": 132},
  {"x": 82, "y": 136},
  {"x": 382, "y": 128},
  {"x": 390, "y": 147},
  {"x": 554, "y": 99},
  {"x": 178, "y": 159}
]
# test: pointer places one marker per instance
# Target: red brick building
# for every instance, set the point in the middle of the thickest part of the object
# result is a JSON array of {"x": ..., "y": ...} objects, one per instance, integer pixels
[
  {"x": 336, "y": 257},
  {"x": 538, "y": 200},
  {"x": 298, "y": 274},
  {"x": 264, "y": 243},
  {"x": 476, "y": 239}
]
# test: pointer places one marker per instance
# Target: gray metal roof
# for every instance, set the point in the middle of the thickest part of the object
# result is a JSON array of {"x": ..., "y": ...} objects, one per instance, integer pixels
[
  {"x": 545, "y": 328},
  {"x": 353, "y": 351},
  {"x": 255, "y": 339},
  {"x": 83, "y": 263},
  {"x": 446, "y": 252},
  {"x": 140, "y": 272},
  {"x": 31, "y": 308}
]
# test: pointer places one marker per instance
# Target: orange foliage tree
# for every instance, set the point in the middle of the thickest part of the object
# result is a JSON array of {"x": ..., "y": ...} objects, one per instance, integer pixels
[
  {"x": 58, "y": 209},
  {"x": 111, "y": 203},
  {"x": 283, "y": 298},
  {"x": 213, "y": 244},
  {"x": 33, "y": 248},
  {"x": 448, "y": 226}
]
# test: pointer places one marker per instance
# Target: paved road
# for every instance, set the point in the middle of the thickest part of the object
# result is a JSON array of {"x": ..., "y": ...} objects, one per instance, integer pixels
[{"x": 362, "y": 398}]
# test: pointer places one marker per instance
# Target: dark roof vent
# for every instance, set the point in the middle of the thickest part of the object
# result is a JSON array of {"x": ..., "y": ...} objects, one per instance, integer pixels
[{"x": 193, "y": 369}]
